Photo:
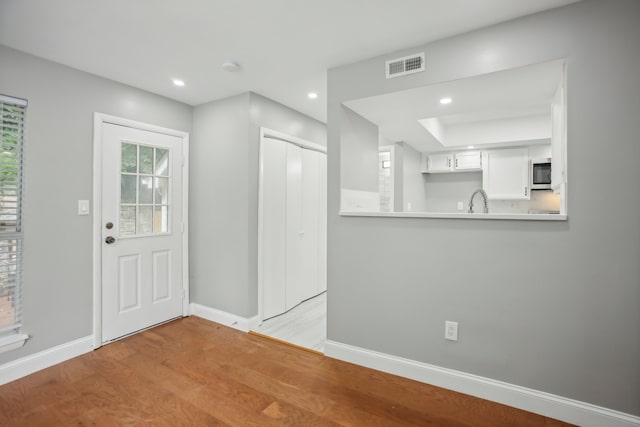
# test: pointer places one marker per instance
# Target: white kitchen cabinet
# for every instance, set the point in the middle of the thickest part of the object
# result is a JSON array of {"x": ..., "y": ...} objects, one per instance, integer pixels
[
  {"x": 505, "y": 173},
  {"x": 437, "y": 163},
  {"x": 467, "y": 161},
  {"x": 452, "y": 162}
]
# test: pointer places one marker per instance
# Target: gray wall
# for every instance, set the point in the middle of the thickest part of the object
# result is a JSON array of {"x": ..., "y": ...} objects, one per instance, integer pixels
[
  {"x": 571, "y": 328},
  {"x": 224, "y": 195},
  {"x": 219, "y": 205},
  {"x": 58, "y": 293},
  {"x": 272, "y": 115},
  {"x": 359, "y": 148}
]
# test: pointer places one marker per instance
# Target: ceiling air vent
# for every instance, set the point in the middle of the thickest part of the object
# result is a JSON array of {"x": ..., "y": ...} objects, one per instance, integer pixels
[{"x": 406, "y": 65}]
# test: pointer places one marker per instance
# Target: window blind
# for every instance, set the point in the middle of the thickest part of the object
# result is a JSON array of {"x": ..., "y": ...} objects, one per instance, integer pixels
[{"x": 12, "y": 115}]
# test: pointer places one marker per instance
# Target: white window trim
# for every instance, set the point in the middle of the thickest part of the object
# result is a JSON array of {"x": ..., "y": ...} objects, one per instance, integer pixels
[
  {"x": 17, "y": 339},
  {"x": 12, "y": 342},
  {"x": 17, "y": 101}
]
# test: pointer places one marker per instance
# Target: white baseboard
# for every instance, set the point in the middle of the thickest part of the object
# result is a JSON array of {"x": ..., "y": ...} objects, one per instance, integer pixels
[
  {"x": 227, "y": 319},
  {"x": 549, "y": 405},
  {"x": 35, "y": 362}
]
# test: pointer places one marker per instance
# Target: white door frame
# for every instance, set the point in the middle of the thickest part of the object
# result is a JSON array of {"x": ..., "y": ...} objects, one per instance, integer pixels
[
  {"x": 99, "y": 119},
  {"x": 392, "y": 153},
  {"x": 268, "y": 133}
]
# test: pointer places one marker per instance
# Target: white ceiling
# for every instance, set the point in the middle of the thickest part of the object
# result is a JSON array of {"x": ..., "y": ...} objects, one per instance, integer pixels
[
  {"x": 508, "y": 106},
  {"x": 283, "y": 46}
]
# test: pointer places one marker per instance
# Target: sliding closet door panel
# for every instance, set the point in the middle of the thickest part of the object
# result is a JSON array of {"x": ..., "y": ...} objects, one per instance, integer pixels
[
  {"x": 322, "y": 224},
  {"x": 310, "y": 220},
  {"x": 294, "y": 233},
  {"x": 274, "y": 212}
]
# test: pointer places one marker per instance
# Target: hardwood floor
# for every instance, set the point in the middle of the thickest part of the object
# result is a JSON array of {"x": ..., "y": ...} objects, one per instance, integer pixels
[
  {"x": 192, "y": 372},
  {"x": 304, "y": 325}
]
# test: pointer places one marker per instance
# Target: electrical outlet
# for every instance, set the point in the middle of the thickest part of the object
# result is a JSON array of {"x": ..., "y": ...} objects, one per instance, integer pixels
[
  {"x": 451, "y": 330},
  {"x": 460, "y": 206}
]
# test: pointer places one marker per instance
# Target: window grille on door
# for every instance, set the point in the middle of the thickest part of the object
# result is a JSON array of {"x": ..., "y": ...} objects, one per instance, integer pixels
[
  {"x": 12, "y": 115},
  {"x": 144, "y": 190}
]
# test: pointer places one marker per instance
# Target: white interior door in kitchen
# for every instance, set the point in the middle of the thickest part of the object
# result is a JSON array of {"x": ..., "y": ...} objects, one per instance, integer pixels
[
  {"x": 141, "y": 229},
  {"x": 292, "y": 231}
]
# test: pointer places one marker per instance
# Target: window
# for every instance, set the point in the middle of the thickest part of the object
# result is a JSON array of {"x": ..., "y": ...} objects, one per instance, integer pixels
[
  {"x": 12, "y": 113},
  {"x": 144, "y": 190}
]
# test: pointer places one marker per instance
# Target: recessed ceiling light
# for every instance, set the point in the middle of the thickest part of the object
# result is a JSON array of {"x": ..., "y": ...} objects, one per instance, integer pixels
[
  {"x": 445, "y": 101},
  {"x": 230, "y": 66},
  {"x": 178, "y": 82},
  {"x": 312, "y": 95},
  {"x": 469, "y": 147}
]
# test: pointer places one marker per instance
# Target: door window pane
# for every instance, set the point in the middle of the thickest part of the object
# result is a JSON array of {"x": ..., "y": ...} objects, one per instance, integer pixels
[
  {"x": 161, "y": 186},
  {"x": 161, "y": 219},
  {"x": 146, "y": 160},
  {"x": 145, "y": 222},
  {"x": 129, "y": 158},
  {"x": 128, "y": 188},
  {"x": 144, "y": 190},
  {"x": 127, "y": 221},
  {"x": 162, "y": 162}
]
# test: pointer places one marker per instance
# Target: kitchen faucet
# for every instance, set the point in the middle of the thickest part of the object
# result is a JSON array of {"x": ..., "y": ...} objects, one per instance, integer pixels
[{"x": 484, "y": 199}]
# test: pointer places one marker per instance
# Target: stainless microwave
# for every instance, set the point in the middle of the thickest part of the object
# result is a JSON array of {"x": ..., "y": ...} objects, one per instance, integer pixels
[{"x": 540, "y": 174}]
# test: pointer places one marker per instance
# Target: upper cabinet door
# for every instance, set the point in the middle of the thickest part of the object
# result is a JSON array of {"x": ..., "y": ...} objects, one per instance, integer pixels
[
  {"x": 467, "y": 161},
  {"x": 439, "y": 163},
  {"x": 505, "y": 174}
]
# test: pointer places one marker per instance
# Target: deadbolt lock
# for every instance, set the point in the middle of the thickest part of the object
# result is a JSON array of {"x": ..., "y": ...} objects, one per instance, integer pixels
[{"x": 109, "y": 225}]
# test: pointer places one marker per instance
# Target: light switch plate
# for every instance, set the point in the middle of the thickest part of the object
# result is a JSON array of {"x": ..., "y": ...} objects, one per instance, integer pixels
[{"x": 83, "y": 207}]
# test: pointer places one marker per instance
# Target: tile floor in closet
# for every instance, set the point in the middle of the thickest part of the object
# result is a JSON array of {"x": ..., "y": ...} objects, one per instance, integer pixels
[{"x": 304, "y": 325}]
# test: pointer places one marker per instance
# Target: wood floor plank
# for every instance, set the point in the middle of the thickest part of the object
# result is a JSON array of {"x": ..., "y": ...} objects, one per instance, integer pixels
[
  {"x": 380, "y": 408},
  {"x": 372, "y": 389},
  {"x": 192, "y": 372}
]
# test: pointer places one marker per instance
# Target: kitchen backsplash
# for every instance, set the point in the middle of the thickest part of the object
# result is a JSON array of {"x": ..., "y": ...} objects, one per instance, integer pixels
[{"x": 541, "y": 201}]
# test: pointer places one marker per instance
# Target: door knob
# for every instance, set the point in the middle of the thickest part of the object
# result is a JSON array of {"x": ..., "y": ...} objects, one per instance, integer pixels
[{"x": 109, "y": 240}]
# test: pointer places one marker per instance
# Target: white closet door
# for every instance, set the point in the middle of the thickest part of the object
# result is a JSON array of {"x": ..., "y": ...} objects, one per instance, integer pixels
[
  {"x": 322, "y": 224},
  {"x": 294, "y": 225},
  {"x": 294, "y": 232},
  {"x": 274, "y": 231},
  {"x": 309, "y": 237}
]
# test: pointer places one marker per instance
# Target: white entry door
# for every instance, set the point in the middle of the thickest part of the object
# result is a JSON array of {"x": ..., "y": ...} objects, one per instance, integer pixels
[{"x": 141, "y": 229}]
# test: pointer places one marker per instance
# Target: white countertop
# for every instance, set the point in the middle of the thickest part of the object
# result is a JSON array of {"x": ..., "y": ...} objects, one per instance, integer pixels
[{"x": 462, "y": 215}]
